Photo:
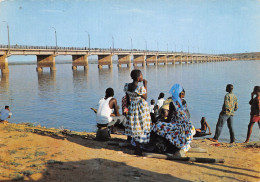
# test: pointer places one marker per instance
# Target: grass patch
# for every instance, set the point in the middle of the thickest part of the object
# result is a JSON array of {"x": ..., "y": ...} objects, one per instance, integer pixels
[
  {"x": 9, "y": 128},
  {"x": 16, "y": 177},
  {"x": 29, "y": 156},
  {"x": 23, "y": 135},
  {"x": 27, "y": 172},
  {"x": 15, "y": 163},
  {"x": 35, "y": 160},
  {"x": 12, "y": 152},
  {"x": 29, "y": 124},
  {"x": 39, "y": 154},
  {"x": 23, "y": 148},
  {"x": 4, "y": 175},
  {"x": 54, "y": 162}
]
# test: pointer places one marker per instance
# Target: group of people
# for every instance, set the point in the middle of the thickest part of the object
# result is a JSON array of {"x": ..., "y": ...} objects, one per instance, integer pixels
[
  {"x": 176, "y": 128},
  {"x": 168, "y": 121}
]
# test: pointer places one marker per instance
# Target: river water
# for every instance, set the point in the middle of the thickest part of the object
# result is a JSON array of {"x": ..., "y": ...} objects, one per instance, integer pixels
[{"x": 63, "y": 99}]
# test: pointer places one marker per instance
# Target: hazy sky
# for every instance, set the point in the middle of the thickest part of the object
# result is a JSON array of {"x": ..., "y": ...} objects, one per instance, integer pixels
[{"x": 208, "y": 26}]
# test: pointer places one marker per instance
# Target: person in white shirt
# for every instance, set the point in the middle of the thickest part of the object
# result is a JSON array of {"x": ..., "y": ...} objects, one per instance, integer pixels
[
  {"x": 152, "y": 106},
  {"x": 5, "y": 114},
  {"x": 160, "y": 100},
  {"x": 107, "y": 113}
]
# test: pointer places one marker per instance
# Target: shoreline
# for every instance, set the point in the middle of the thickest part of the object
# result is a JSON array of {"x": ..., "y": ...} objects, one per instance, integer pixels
[{"x": 48, "y": 154}]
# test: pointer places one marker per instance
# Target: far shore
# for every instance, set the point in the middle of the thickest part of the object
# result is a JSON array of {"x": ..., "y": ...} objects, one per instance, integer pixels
[{"x": 35, "y": 153}]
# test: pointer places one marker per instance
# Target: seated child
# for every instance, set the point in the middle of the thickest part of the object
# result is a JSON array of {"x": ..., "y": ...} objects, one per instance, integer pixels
[
  {"x": 164, "y": 110},
  {"x": 204, "y": 126}
]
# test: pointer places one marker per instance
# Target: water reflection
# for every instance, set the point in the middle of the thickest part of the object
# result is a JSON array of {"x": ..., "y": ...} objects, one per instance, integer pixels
[
  {"x": 80, "y": 79},
  {"x": 123, "y": 71},
  {"x": 4, "y": 82},
  {"x": 105, "y": 77},
  {"x": 47, "y": 81}
]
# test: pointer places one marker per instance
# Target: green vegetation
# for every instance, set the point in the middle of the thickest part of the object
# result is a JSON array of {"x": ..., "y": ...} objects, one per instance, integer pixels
[
  {"x": 39, "y": 153},
  {"x": 27, "y": 172},
  {"x": 12, "y": 152},
  {"x": 29, "y": 156},
  {"x": 54, "y": 162},
  {"x": 16, "y": 177},
  {"x": 15, "y": 163}
]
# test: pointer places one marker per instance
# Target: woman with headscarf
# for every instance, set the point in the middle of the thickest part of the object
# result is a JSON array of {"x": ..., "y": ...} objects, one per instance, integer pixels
[
  {"x": 138, "y": 116},
  {"x": 178, "y": 130}
]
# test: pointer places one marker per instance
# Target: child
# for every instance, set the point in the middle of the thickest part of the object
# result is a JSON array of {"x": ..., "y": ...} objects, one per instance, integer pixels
[
  {"x": 152, "y": 106},
  {"x": 152, "y": 113},
  {"x": 204, "y": 126},
  {"x": 160, "y": 100},
  {"x": 255, "y": 111}
]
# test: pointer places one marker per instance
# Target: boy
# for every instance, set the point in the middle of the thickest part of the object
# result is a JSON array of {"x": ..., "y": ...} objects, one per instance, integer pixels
[
  {"x": 204, "y": 126},
  {"x": 227, "y": 114}
]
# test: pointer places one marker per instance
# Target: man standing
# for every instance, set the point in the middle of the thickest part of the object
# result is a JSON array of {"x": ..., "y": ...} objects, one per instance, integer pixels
[
  {"x": 227, "y": 114},
  {"x": 106, "y": 106}
]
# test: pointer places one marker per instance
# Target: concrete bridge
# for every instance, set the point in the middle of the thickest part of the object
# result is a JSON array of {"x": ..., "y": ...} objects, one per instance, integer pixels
[{"x": 46, "y": 56}]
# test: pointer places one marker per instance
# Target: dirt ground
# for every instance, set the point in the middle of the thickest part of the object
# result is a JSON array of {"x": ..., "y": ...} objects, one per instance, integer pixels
[{"x": 38, "y": 154}]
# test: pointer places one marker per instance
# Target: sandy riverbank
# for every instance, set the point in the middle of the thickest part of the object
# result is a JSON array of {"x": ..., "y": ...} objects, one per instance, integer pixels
[{"x": 40, "y": 154}]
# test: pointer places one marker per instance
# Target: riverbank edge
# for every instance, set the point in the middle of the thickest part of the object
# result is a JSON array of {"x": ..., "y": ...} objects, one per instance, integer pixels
[{"x": 24, "y": 128}]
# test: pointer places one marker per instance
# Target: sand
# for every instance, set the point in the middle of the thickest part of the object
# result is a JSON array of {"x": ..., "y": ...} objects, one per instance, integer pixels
[{"x": 38, "y": 154}]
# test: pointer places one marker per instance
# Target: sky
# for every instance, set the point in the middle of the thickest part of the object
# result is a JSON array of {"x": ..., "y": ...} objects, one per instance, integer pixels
[{"x": 205, "y": 26}]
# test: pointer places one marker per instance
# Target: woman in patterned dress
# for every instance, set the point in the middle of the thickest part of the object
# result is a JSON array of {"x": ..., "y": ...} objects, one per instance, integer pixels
[
  {"x": 178, "y": 129},
  {"x": 138, "y": 116}
]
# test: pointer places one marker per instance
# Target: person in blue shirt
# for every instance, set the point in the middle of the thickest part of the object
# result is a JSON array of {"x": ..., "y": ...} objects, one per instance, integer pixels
[{"x": 5, "y": 114}]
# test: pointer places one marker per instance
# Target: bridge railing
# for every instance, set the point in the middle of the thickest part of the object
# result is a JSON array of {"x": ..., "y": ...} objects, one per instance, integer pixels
[{"x": 59, "y": 48}]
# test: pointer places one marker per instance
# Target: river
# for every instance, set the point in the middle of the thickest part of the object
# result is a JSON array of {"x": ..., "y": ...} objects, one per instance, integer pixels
[{"x": 63, "y": 99}]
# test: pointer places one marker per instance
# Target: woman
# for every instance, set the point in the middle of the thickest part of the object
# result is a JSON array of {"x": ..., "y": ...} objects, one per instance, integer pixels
[
  {"x": 255, "y": 111},
  {"x": 138, "y": 116},
  {"x": 178, "y": 130}
]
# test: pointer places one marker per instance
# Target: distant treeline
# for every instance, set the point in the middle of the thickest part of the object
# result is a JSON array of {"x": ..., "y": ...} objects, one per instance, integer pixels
[{"x": 245, "y": 56}]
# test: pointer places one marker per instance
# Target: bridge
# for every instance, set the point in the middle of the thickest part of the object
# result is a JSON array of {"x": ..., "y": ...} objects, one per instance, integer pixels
[{"x": 46, "y": 56}]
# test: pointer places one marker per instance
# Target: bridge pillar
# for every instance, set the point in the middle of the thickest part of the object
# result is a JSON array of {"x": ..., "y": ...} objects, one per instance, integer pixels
[
  {"x": 192, "y": 59},
  {"x": 151, "y": 59},
  {"x": 105, "y": 60},
  {"x": 197, "y": 59},
  {"x": 201, "y": 59},
  {"x": 4, "y": 64},
  {"x": 189, "y": 59},
  {"x": 162, "y": 59},
  {"x": 79, "y": 60},
  {"x": 45, "y": 61},
  {"x": 124, "y": 59},
  {"x": 171, "y": 58},
  {"x": 178, "y": 58},
  {"x": 139, "y": 59},
  {"x": 184, "y": 59}
]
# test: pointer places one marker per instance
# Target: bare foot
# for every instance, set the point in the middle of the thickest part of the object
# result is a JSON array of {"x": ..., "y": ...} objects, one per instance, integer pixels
[
  {"x": 246, "y": 141},
  {"x": 213, "y": 140}
]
